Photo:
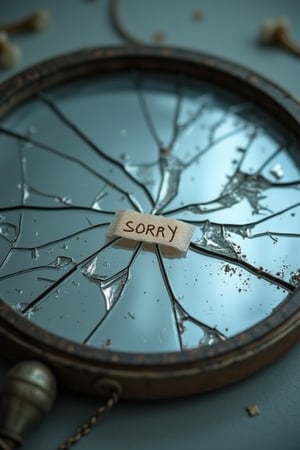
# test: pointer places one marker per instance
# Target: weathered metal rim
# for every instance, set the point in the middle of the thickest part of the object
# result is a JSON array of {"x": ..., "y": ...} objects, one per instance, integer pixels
[
  {"x": 270, "y": 97},
  {"x": 265, "y": 334}
]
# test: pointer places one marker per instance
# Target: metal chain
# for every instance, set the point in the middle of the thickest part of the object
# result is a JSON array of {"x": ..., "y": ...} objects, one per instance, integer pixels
[{"x": 86, "y": 427}]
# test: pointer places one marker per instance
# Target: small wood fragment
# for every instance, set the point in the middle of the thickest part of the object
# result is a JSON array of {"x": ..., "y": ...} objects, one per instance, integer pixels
[
  {"x": 9, "y": 53},
  {"x": 277, "y": 32},
  {"x": 38, "y": 21},
  {"x": 253, "y": 410},
  {"x": 198, "y": 15},
  {"x": 159, "y": 37}
]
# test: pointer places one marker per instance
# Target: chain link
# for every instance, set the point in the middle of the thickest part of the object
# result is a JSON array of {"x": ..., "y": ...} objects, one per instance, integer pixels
[{"x": 87, "y": 427}]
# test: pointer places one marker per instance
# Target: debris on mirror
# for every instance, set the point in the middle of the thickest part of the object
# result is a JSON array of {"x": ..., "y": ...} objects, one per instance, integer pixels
[
  {"x": 295, "y": 278},
  {"x": 277, "y": 171}
]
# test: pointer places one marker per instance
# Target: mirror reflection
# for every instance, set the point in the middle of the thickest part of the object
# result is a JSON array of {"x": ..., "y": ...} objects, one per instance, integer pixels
[{"x": 156, "y": 144}]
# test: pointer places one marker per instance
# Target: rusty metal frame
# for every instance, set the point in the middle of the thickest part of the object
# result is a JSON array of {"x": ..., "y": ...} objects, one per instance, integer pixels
[{"x": 144, "y": 376}]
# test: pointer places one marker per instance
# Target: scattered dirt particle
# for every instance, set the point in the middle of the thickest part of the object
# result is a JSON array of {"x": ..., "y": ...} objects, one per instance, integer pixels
[
  {"x": 295, "y": 278},
  {"x": 229, "y": 269},
  {"x": 198, "y": 15},
  {"x": 159, "y": 37},
  {"x": 253, "y": 410},
  {"x": 164, "y": 150},
  {"x": 107, "y": 342}
]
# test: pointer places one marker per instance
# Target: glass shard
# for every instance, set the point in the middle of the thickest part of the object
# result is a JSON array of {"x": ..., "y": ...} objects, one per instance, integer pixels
[{"x": 112, "y": 287}]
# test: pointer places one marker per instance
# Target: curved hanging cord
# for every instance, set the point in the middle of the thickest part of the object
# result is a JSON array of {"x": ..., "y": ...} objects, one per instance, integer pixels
[
  {"x": 88, "y": 426},
  {"x": 118, "y": 25}
]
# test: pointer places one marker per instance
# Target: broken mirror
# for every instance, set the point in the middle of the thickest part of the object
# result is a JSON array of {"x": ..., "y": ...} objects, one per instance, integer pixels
[{"x": 150, "y": 143}]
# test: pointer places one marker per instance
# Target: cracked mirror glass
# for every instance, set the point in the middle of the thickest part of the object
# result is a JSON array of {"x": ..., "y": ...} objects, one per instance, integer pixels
[{"x": 157, "y": 144}]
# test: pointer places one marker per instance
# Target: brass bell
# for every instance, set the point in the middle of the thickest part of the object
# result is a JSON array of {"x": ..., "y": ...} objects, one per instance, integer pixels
[{"x": 27, "y": 393}]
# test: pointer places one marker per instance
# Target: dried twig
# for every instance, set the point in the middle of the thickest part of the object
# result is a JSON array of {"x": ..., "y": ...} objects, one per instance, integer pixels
[
  {"x": 37, "y": 21},
  {"x": 276, "y": 32}
]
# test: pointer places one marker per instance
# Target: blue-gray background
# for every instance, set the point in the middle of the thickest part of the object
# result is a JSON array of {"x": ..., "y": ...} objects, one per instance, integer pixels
[{"x": 216, "y": 421}]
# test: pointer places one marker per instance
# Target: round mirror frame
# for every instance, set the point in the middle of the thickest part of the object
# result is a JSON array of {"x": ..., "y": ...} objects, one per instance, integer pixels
[{"x": 159, "y": 375}]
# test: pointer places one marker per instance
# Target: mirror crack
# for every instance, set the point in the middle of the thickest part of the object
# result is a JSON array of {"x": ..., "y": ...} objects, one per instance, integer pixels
[
  {"x": 271, "y": 234},
  {"x": 225, "y": 199},
  {"x": 28, "y": 270},
  {"x": 271, "y": 157},
  {"x": 258, "y": 271},
  {"x": 210, "y": 334},
  {"x": 16, "y": 238},
  {"x": 145, "y": 112},
  {"x": 177, "y": 110},
  {"x": 244, "y": 229},
  {"x": 295, "y": 184},
  {"x": 240, "y": 185},
  {"x": 75, "y": 267},
  {"x": 18, "y": 230},
  {"x": 91, "y": 144},
  {"x": 65, "y": 237},
  {"x": 217, "y": 141},
  {"x": 103, "y": 282},
  {"x": 34, "y": 249},
  {"x": 56, "y": 208},
  {"x": 171, "y": 168},
  {"x": 77, "y": 161},
  {"x": 23, "y": 173}
]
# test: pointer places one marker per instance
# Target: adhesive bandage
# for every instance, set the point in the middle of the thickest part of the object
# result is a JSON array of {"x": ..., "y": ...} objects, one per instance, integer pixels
[{"x": 151, "y": 228}]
